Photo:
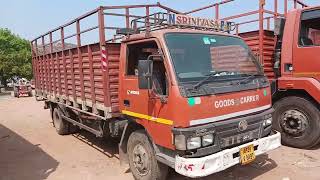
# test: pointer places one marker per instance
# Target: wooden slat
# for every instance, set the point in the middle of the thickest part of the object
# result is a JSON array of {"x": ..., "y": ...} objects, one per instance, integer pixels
[{"x": 93, "y": 96}]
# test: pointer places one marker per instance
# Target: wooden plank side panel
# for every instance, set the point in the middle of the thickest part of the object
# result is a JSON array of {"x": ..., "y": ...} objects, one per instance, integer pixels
[
  {"x": 77, "y": 73},
  {"x": 113, "y": 71}
]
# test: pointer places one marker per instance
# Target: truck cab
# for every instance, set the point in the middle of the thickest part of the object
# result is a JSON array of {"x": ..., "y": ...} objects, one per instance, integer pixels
[{"x": 197, "y": 93}]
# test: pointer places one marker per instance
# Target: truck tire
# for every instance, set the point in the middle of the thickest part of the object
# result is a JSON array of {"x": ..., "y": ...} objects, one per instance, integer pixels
[
  {"x": 142, "y": 160},
  {"x": 298, "y": 120},
  {"x": 62, "y": 126}
]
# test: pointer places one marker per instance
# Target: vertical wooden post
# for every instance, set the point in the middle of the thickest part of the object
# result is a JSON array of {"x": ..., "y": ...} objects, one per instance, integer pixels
[
  {"x": 44, "y": 62},
  {"x": 237, "y": 29},
  {"x": 36, "y": 65},
  {"x": 147, "y": 20},
  {"x": 217, "y": 11},
  {"x": 261, "y": 31},
  {"x": 285, "y": 7},
  {"x": 275, "y": 9},
  {"x": 105, "y": 72},
  {"x": 74, "y": 95},
  {"x": 66, "y": 91},
  {"x": 92, "y": 84},
  {"x": 50, "y": 66},
  {"x": 80, "y": 63},
  {"x": 127, "y": 18},
  {"x": 59, "y": 74}
]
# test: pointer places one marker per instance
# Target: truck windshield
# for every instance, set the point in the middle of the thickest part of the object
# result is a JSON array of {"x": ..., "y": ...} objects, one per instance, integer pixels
[{"x": 197, "y": 56}]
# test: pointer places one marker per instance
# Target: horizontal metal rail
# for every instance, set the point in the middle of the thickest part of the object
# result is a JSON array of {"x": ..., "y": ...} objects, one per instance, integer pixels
[
  {"x": 69, "y": 23},
  {"x": 209, "y": 6},
  {"x": 36, "y": 46},
  {"x": 241, "y": 15},
  {"x": 82, "y": 126}
]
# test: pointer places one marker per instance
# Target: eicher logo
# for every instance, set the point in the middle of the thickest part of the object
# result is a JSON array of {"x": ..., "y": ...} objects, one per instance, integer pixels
[
  {"x": 131, "y": 92},
  {"x": 178, "y": 19},
  {"x": 236, "y": 102}
]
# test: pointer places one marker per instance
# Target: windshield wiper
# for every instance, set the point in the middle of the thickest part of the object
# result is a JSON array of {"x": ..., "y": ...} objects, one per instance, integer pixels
[
  {"x": 208, "y": 76},
  {"x": 245, "y": 80}
]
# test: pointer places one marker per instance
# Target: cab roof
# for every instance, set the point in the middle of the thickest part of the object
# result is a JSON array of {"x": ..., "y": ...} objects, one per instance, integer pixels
[{"x": 161, "y": 32}]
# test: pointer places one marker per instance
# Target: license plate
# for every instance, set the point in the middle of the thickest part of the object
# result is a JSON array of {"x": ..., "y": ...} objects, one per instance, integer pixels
[{"x": 247, "y": 155}]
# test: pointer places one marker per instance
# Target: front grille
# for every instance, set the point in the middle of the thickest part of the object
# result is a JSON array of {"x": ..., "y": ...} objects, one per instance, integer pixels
[{"x": 239, "y": 138}]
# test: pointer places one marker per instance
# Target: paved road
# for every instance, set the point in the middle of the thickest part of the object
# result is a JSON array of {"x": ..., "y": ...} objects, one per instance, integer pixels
[{"x": 30, "y": 149}]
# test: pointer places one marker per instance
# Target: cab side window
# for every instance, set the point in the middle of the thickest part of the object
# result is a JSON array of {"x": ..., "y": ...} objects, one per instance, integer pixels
[
  {"x": 141, "y": 51},
  {"x": 136, "y": 52},
  {"x": 310, "y": 29}
]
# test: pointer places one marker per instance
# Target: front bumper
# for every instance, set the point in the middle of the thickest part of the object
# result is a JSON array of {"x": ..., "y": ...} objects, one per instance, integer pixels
[{"x": 204, "y": 166}]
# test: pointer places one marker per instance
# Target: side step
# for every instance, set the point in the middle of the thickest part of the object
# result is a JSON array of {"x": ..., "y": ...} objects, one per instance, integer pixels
[{"x": 82, "y": 126}]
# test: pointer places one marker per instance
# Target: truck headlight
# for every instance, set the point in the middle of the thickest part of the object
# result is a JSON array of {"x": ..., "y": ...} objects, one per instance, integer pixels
[
  {"x": 193, "y": 143},
  {"x": 180, "y": 142},
  {"x": 207, "y": 140}
]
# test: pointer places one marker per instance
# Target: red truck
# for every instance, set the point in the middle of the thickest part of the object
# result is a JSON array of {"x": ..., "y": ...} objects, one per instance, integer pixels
[
  {"x": 22, "y": 88},
  {"x": 179, "y": 91},
  {"x": 288, "y": 53}
]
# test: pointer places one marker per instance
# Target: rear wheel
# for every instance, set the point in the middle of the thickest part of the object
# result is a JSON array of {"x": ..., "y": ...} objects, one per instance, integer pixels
[
  {"x": 298, "y": 120},
  {"x": 61, "y": 125},
  {"x": 142, "y": 160}
]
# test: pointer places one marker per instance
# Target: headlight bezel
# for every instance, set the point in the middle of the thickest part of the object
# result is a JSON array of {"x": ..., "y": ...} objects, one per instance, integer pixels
[
  {"x": 182, "y": 142},
  {"x": 195, "y": 140},
  {"x": 208, "y": 136}
]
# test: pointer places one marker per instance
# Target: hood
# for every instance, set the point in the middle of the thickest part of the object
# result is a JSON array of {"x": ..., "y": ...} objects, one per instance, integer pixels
[{"x": 213, "y": 108}]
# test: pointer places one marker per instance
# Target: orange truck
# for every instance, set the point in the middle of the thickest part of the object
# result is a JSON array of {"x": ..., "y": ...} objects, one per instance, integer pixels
[
  {"x": 286, "y": 43},
  {"x": 179, "y": 91}
]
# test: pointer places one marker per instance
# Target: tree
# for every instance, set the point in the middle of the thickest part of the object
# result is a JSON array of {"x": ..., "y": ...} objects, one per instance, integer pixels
[{"x": 15, "y": 56}]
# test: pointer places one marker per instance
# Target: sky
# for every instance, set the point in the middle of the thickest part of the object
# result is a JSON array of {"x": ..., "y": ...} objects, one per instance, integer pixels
[{"x": 31, "y": 18}]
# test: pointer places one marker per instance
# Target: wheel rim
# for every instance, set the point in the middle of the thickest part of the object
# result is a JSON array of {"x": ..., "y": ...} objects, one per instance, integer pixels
[
  {"x": 294, "y": 122},
  {"x": 56, "y": 120},
  {"x": 141, "y": 160}
]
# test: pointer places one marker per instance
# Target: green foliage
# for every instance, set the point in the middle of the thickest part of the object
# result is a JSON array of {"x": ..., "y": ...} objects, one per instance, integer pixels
[{"x": 15, "y": 56}]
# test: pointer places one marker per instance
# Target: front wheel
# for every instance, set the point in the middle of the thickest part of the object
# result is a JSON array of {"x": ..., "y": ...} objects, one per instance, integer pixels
[
  {"x": 142, "y": 160},
  {"x": 298, "y": 120}
]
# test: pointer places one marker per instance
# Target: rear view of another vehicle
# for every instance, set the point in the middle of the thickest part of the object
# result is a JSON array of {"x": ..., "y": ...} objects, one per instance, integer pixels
[{"x": 20, "y": 89}]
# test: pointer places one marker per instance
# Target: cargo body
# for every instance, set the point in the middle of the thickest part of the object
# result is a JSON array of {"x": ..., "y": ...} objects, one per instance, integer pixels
[{"x": 177, "y": 92}]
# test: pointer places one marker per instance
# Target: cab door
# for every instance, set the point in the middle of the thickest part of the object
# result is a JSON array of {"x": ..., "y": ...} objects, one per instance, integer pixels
[
  {"x": 149, "y": 106},
  {"x": 306, "y": 55}
]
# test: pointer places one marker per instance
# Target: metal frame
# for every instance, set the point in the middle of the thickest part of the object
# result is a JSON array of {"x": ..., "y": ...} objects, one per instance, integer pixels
[{"x": 101, "y": 26}]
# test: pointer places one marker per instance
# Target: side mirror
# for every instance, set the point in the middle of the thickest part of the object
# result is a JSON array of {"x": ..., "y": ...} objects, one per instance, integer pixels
[{"x": 145, "y": 74}]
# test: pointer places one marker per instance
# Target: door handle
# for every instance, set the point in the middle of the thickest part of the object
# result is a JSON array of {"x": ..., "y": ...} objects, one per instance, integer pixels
[{"x": 126, "y": 103}]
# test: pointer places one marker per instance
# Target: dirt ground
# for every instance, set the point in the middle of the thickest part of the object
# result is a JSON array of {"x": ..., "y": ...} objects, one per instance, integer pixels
[{"x": 30, "y": 149}]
